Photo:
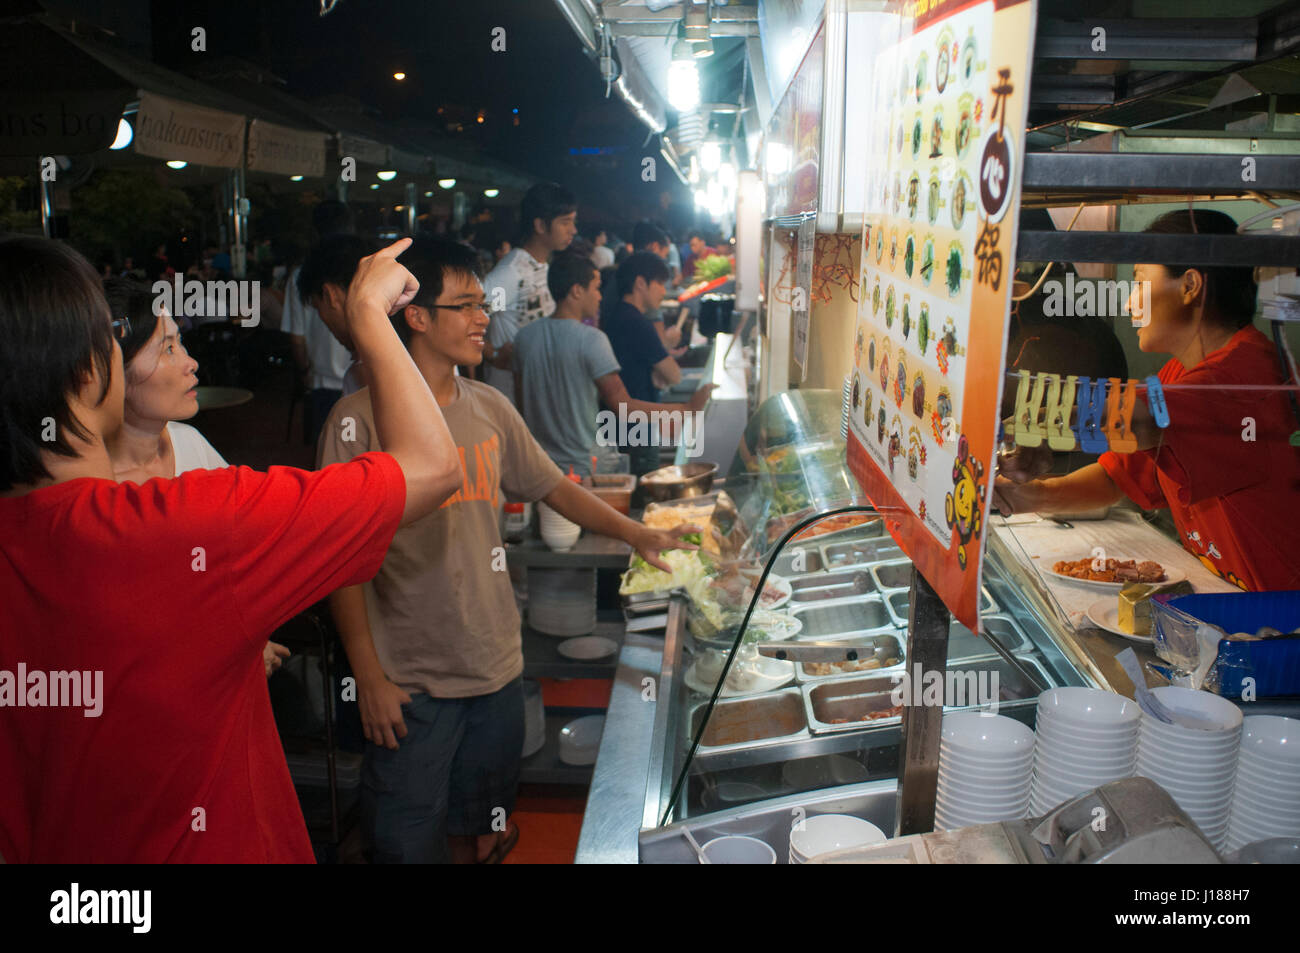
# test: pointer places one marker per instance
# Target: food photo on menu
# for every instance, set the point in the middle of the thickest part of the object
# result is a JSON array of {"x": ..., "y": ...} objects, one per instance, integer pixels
[{"x": 648, "y": 433}]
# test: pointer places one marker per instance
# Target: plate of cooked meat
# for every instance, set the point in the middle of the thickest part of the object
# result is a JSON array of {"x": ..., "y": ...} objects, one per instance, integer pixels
[{"x": 1110, "y": 573}]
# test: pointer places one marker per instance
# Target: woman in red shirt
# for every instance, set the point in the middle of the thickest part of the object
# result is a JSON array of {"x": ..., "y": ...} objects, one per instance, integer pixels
[
  {"x": 1224, "y": 467},
  {"x": 135, "y": 723}
]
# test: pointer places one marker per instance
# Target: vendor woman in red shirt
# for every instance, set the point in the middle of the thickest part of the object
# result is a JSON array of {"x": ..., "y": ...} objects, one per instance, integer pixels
[
  {"x": 1224, "y": 466},
  {"x": 135, "y": 723}
]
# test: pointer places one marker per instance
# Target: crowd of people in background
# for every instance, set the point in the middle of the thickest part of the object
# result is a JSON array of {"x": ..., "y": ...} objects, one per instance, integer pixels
[{"x": 438, "y": 378}]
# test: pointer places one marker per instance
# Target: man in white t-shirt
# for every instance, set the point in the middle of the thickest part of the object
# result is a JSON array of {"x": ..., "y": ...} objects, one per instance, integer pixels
[
  {"x": 516, "y": 288},
  {"x": 602, "y": 256},
  {"x": 317, "y": 351}
]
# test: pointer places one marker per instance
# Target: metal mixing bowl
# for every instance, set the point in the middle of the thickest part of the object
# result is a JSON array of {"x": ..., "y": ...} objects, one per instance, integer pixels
[{"x": 679, "y": 483}]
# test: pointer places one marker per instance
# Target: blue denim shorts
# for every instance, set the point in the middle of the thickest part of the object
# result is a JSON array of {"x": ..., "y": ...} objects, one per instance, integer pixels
[{"x": 455, "y": 773}]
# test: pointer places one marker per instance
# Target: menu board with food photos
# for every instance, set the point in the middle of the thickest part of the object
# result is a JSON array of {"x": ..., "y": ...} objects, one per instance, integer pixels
[{"x": 938, "y": 254}]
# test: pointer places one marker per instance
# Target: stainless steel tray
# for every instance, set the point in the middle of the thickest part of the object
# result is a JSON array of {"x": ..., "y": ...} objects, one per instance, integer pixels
[
  {"x": 896, "y": 642},
  {"x": 819, "y": 587},
  {"x": 858, "y": 552},
  {"x": 812, "y": 562},
  {"x": 741, "y": 723},
  {"x": 897, "y": 602},
  {"x": 1013, "y": 690},
  {"x": 841, "y": 617},
  {"x": 892, "y": 575}
]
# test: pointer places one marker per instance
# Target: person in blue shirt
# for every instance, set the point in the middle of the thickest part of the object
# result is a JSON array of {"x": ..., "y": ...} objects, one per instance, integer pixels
[{"x": 644, "y": 364}]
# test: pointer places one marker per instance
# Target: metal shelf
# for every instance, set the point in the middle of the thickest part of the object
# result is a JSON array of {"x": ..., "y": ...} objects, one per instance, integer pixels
[
  {"x": 1126, "y": 247},
  {"x": 545, "y": 766},
  {"x": 542, "y": 658},
  {"x": 591, "y": 551},
  {"x": 1159, "y": 172}
]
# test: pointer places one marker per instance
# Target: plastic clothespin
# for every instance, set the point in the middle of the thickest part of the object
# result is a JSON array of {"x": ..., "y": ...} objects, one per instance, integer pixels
[
  {"x": 1060, "y": 401},
  {"x": 1092, "y": 405},
  {"x": 1156, "y": 401},
  {"x": 1119, "y": 415},
  {"x": 1031, "y": 431},
  {"x": 1022, "y": 398}
]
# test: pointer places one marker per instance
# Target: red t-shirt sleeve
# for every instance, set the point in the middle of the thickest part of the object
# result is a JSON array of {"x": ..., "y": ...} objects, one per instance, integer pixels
[{"x": 294, "y": 536}]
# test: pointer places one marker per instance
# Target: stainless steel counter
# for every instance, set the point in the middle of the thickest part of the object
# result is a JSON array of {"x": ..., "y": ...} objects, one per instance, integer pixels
[{"x": 617, "y": 797}]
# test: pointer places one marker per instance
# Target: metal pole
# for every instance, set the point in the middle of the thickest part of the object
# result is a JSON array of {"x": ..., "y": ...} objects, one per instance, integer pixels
[
  {"x": 239, "y": 209},
  {"x": 410, "y": 208},
  {"x": 47, "y": 205},
  {"x": 927, "y": 651}
]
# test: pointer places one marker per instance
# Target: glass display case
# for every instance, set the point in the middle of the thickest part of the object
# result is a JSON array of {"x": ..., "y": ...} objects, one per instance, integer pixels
[{"x": 736, "y": 723}]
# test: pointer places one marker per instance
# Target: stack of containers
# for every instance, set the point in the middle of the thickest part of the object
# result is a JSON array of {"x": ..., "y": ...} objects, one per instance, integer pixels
[
  {"x": 1194, "y": 764},
  {"x": 985, "y": 768},
  {"x": 1266, "y": 798},
  {"x": 1086, "y": 738}
]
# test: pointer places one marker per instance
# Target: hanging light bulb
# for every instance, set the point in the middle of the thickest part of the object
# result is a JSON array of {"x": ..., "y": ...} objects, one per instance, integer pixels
[
  {"x": 124, "y": 134},
  {"x": 710, "y": 156},
  {"x": 683, "y": 78}
]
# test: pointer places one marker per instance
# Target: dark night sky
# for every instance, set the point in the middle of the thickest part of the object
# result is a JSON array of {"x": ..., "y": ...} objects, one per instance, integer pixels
[{"x": 445, "y": 49}]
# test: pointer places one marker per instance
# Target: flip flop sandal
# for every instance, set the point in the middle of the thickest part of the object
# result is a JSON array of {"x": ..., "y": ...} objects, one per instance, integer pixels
[{"x": 503, "y": 847}]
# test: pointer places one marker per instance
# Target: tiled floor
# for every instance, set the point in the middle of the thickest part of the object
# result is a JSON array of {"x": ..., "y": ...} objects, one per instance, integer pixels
[{"x": 549, "y": 819}]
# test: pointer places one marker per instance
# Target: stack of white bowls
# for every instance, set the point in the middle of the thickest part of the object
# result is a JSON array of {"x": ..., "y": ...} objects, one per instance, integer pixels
[
  {"x": 827, "y": 832},
  {"x": 562, "y": 602},
  {"x": 1086, "y": 738},
  {"x": 1266, "y": 799},
  {"x": 1195, "y": 765},
  {"x": 557, "y": 532},
  {"x": 985, "y": 767}
]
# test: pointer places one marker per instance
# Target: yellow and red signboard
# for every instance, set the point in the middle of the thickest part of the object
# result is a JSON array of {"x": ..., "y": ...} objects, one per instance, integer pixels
[{"x": 938, "y": 254}]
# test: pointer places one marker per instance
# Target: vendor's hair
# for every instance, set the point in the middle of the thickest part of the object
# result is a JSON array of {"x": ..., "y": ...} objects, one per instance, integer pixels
[
  {"x": 547, "y": 201},
  {"x": 55, "y": 325},
  {"x": 333, "y": 262},
  {"x": 568, "y": 269},
  {"x": 641, "y": 264},
  {"x": 132, "y": 300},
  {"x": 431, "y": 260},
  {"x": 1229, "y": 291},
  {"x": 645, "y": 234}
]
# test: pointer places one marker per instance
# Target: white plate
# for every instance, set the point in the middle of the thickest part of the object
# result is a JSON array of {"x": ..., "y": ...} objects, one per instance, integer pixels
[
  {"x": 1171, "y": 575},
  {"x": 587, "y": 648},
  {"x": 773, "y": 674},
  {"x": 779, "y": 583},
  {"x": 1104, "y": 614}
]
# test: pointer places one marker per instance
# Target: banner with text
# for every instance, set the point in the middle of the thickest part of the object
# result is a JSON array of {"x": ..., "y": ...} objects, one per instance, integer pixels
[
  {"x": 950, "y": 98},
  {"x": 285, "y": 151},
  {"x": 170, "y": 129}
]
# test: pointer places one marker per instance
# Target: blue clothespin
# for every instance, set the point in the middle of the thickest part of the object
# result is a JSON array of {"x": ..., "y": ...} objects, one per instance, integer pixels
[
  {"x": 1092, "y": 411},
  {"x": 1156, "y": 401}
]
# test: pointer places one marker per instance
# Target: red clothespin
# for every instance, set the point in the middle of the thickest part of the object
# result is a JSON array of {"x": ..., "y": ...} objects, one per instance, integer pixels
[{"x": 1119, "y": 415}]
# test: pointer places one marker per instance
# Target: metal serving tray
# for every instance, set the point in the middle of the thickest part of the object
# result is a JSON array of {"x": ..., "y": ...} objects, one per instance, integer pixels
[
  {"x": 819, "y": 587},
  {"x": 834, "y": 697},
  {"x": 843, "y": 617},
  {"x": 892, "y": 575},
  {"x": 784, "y": 565},
  {"x": 858, "y": 552},
  {"x": 752, "y": 721},
  {"x": 893, "y": 641},
  {"x": 897, "y": 601}
]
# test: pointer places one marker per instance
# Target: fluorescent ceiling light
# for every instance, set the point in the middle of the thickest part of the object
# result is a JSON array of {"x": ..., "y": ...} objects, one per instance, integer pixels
[
  {"x": 683, "y": 85},
  {"x": 386, "y": 176},
  {"x": 295, "y": 178},
  {"x": 491, "y": 193},
  {"x": 447, "y": 183},
  {"x": 176, "y": 164}
]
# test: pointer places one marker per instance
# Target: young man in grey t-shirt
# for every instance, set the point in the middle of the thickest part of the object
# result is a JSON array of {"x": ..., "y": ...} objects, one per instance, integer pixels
[
  {"x": 434, "y": 639},
  {"x": 565, "y": 369}
]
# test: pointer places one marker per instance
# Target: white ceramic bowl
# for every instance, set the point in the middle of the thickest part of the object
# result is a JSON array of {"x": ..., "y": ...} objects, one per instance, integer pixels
[
  {"x": 969, "y": 776},
  {"x": 823, "y": 833},
  {"x": 996, "y": 735},
  {"x": 1219, "y": 714},
  {"x": 1071, "y": 761},
  {"x": 1222, "y": 774},
  {"x": 1277, "y": 739},
  {"x": 956, "y": 802},
  {"x": 587, "y": 647},
  {"x": 959, "y": 764},
  {"x": 737, "y": 849},
  {"x": 1072, "y": 732},
  {"x": 1088, "y": 707},
  {"x": 580, "y": 740},
  {"x": 1253, "y": 789},
  {"x": 561, "y": 540}
]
